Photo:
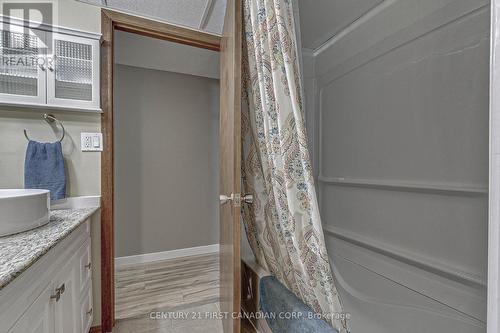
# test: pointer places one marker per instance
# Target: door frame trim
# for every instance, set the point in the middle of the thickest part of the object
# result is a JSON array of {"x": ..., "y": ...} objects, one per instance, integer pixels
[{"x": 111, "y": 21}]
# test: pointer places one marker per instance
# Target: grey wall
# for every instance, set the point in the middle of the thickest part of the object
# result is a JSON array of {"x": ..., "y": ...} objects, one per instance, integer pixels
[
  {"x": 83, "y": 168},
  {"x": 399, "y": 131},
  {"x": 165, "y": 56},
  {"x": 166, "y": 161}
]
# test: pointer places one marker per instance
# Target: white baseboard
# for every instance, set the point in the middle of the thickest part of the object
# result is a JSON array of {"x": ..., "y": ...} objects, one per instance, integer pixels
[{"x": 165, "y": 255}]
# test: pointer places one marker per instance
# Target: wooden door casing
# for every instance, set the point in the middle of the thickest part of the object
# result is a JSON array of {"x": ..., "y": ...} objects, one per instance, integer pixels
[{"x": 111, "y": 21}]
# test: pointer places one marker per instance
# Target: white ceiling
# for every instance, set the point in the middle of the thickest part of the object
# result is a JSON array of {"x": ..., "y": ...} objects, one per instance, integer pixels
[
  {"x": 320, "y": 20},
  {"x": 205, "y": 15}
]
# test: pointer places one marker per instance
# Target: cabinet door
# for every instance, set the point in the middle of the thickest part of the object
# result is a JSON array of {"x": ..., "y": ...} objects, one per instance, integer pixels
[
  {"x": 73, "y": 76},
  {"x": 86, "y": 310},
  {"x": 39, "y": 318},
  {"x": 22, "y": 66},
  {"x": 84, "y": 267},
  {"x": 65, "y": 307},
  {"x": 83, "y": 287}
]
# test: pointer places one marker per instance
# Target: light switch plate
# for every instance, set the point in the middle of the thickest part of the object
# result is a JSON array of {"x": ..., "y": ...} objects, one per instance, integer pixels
[{"x": 91, "y": 141}]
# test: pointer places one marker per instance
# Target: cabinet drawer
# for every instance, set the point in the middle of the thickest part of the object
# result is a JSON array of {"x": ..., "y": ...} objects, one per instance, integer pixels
[
  {"x": 84, "y": 270},
  {"x": 86, "y": 311}
]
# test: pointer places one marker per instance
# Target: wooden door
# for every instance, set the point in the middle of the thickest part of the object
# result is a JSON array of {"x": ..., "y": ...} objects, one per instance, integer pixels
[{"x": 230, "y": 165}]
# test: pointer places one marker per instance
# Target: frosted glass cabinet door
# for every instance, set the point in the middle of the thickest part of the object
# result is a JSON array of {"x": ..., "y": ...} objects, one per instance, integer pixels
[
  {"x": 22, "y": 65},
  {"x": 73, "y": 75}
]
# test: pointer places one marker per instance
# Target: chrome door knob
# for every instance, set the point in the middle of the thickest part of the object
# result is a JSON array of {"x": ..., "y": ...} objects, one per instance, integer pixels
[
  {"x": 248, "y": 199},
  {"x": 237, "y": 199},
  {"x": 224, "y": 198}
]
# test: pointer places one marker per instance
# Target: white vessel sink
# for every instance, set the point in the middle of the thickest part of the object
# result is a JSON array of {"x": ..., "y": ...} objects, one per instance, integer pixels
[{"x": 21, "y": 210}]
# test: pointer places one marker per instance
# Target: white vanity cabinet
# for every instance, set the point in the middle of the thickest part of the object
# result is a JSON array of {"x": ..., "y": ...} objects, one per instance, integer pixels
[
  {"x": 54, "y": 295},
  {"x": 48, "y": 67}
]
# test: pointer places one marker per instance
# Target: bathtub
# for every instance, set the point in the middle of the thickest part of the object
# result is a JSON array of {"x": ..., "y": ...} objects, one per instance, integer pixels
[
  {"x": 251, "y": 273},
  {"x": 264, "y": 294},
  {"x": 385, "y": 295}
]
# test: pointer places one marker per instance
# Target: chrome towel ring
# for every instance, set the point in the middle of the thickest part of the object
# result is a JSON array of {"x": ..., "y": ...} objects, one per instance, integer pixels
[{"x": 50, "y": 119}]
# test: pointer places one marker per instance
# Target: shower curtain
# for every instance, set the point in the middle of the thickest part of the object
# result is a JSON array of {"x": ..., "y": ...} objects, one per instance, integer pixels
[{"x": 283, "y": 225}]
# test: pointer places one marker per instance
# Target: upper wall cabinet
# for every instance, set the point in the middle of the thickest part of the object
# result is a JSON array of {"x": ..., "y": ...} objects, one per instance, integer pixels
[{"x": 48, "y": 67}]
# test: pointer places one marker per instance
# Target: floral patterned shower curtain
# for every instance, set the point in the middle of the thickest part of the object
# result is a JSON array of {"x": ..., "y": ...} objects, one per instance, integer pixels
[{"x": 283, "y": 225}]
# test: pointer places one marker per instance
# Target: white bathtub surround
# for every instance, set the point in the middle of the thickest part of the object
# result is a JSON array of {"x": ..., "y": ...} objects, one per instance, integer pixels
[
  {"x": 401, "y": 124},
  {"x": 283, "y": 225},
  {"x": 494, "y": 177},
  {"x": 23, "y": 210}
]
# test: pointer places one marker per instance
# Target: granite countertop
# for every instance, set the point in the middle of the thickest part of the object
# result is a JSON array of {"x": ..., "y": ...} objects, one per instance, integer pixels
[{"x": 18, "y": 252}]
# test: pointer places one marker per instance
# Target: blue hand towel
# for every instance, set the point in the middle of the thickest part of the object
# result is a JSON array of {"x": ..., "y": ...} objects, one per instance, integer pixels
[{"x": 44, "y": 168}]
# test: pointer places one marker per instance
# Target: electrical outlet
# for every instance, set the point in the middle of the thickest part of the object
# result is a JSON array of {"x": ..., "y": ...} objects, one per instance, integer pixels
[{"x": 91, "y": 141}]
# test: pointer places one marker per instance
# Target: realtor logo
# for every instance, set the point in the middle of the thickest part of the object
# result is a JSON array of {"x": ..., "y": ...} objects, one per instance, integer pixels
[{"x": 38, "y": 18}]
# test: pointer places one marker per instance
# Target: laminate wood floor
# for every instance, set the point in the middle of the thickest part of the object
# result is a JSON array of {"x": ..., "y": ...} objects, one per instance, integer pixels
[
  {"x": 196, "y": 319},
  {"x": 166, "y": 285}
]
